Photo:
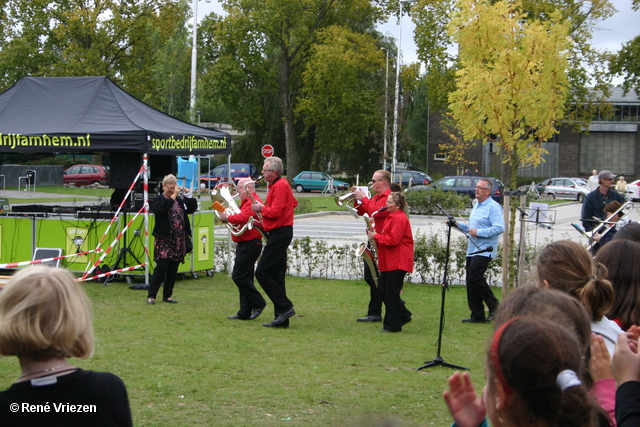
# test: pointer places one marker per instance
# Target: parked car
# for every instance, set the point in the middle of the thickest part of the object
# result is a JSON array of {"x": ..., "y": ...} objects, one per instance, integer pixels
[
  {"x": 633, "y": 191},
  {"x": 220, "y": 174},
  {"x": 310, "y": 180},
  {"x": 411, "y": 178},
  {"x": 566, "y": 188},
  {"x": 87, "y": 174},
  {"x": 464, "y": 184}
]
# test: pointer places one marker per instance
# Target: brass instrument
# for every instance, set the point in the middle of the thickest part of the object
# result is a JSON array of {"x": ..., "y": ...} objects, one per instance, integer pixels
[
  {"x": 605, "y": 225},
  {"x": 256, "y": 224},
  {"x": 341, "y": 200},
  {"x": 369, "y": 255},
  {"x": 223, "y": 202}
]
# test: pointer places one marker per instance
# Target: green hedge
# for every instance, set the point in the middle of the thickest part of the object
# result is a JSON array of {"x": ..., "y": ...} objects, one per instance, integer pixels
[{"x": 424, "y": 202}]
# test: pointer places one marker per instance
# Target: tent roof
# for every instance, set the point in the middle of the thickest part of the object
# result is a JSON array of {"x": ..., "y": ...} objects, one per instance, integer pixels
[{"x": 92, "y": 114}]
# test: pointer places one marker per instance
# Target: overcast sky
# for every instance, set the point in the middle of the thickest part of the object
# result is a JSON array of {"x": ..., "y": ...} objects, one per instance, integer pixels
[{"x": 612, "y": 33}]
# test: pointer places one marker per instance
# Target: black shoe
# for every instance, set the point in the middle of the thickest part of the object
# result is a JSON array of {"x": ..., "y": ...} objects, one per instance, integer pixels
[
  {"x": 170, "y": 300},
  {"x": 370, "y": 319},
  {"x": 281, "y": 318},
  {"x": 235, "y": 316},
  {"x": 151, "y": 301},
  {"x": 255, "y": 313},
  {"x": 472, "y": 320},
  {"x": 284, "y": 325},
  {"x": 404, "y": 322},
  {"x": 491, "y": 316}
]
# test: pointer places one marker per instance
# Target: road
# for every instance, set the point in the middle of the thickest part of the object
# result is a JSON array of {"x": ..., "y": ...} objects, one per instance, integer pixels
[{"x": 340, "y": 228}]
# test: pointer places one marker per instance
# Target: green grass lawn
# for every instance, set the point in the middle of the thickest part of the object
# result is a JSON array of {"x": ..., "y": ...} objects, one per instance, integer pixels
[{"x": 187, "y": 364}]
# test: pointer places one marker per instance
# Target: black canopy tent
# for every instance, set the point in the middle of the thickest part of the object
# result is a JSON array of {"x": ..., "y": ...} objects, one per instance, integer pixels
[{"x": 93, "y": 114}]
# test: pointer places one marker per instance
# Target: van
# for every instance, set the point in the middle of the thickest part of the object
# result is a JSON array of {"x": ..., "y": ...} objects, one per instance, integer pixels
[{"x": 221, "y": 174}]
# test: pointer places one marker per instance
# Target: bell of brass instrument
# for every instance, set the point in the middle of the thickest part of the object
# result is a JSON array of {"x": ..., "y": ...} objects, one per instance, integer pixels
[
  {"x": 341, "y": 200},
  {"x": 221, "y": 195}
]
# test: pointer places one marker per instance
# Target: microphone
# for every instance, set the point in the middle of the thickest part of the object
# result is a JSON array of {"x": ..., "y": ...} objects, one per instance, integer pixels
[{"x": 481, "y": 251}]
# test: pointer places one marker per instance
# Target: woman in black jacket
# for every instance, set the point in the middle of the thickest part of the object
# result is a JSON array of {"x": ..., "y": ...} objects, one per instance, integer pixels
[{"x": 172, "y": 233}]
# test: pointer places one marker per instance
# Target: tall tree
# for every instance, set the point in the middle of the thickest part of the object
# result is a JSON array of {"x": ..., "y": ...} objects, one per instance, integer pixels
[
  {"x": 262, "y": 47},
  {"x": 626, "y": 62},
  {"x": 90, "y": 37},
  {"x": 512, "y": 83}
]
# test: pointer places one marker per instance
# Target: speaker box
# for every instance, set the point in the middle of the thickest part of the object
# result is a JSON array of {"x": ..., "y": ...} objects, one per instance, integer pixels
[{"x": 124, "y": 168}]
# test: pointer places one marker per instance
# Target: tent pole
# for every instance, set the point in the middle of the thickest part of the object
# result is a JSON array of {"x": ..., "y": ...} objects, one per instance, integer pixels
[{"x": 145, "y": 190}]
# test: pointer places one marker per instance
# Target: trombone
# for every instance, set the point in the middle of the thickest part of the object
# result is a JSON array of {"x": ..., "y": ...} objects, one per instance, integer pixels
[{"x": 604, "y": 226}]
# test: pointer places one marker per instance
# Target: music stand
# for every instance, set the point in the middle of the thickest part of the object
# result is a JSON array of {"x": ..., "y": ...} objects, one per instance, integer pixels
[{"x": 438, "y": 360}]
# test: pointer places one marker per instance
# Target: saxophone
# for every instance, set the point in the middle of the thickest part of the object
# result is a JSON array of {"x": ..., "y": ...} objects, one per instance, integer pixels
[
  {"x": 370, "y": 254},
  {"x": 257, "y": 224}
]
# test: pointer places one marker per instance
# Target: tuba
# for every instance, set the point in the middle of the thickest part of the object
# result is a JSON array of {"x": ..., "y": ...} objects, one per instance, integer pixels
[{"x": 223, "y": 202}]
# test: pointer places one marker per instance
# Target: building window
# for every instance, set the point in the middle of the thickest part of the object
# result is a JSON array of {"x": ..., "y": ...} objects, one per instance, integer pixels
[{"x": 440, "y": 157}]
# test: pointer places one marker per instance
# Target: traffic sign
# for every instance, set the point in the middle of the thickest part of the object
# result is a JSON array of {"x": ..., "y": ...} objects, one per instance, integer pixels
[{"x": 267, "y": 151}]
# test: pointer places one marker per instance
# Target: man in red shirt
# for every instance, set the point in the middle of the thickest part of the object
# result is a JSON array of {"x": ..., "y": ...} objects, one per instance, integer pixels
[
  {"x": 248, "y": 248},
  {"x": 380, "y": 185},
  {"x": 277, "y": 222}
]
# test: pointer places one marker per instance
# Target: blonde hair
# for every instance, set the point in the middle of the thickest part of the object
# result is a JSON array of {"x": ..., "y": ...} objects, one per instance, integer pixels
[
  {"x": 169, "y": 179},
  {"x": 44, "y": 314}
]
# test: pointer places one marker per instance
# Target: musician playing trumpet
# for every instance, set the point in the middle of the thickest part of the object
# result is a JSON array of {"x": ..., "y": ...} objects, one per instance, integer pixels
[
  {"x": 395, "y": 260},
  {"x": 249, "y": 246},
  {"x": 380, "y": 183}
]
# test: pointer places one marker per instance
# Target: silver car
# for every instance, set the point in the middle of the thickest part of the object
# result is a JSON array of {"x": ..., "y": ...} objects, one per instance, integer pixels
[{"x": 566, "y": 188}]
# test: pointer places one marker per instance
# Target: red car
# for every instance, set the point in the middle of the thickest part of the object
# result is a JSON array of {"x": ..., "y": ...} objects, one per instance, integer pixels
[{"x": 87, "y": 174}]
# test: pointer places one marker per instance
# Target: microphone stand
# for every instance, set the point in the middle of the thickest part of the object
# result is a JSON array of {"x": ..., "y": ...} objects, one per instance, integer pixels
[{"x": 438, "y": 360}]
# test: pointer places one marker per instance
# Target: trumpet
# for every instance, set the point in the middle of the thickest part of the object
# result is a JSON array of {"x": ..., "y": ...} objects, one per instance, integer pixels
[{"x": 223, "y": 202}]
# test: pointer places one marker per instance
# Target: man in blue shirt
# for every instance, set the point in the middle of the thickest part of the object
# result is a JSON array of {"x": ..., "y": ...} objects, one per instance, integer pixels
[{"x": 486, "y": 223}]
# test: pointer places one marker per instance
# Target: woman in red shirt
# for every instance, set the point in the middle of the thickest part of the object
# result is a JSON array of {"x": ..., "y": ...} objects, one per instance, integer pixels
[{"x": 395, "y": 260}]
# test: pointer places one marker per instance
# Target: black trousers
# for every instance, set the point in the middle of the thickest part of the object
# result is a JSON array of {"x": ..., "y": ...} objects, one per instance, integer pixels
[
  {"x": 396, "y": 314},
  {"x": 272, "y": 268},
  {"x": 247, "y": 254},
  {"x": 478, "y": 290},
  {"x": 166, "y": 271},
  {"x": 375, "y": 301}
]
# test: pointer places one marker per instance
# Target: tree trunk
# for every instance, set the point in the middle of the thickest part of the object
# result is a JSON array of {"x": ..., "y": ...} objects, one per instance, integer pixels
[{"x": 287, "y": 117}]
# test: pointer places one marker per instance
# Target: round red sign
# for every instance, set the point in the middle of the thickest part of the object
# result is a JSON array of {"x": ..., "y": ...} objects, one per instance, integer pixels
[{"x": 267, "y": 150}]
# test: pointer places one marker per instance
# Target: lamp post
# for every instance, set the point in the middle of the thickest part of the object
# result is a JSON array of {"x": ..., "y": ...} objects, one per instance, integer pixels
[
  {"x": 386, "y": 112},
  {"x": 194, "y": 63},
  {"x": 395, "y": 109}
]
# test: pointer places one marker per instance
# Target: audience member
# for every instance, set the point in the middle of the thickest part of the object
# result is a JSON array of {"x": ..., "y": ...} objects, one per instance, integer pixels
[
  {"x": 567, "y": 266},
  {"x": 533, "y": 369},
  {"x": 622, "y": 259},
  {"x": 567, "y": 311},
  {"x": 629, "y": 232},
  {"x": 44, "y": 319},
  {"x": 625, "y": 365}
]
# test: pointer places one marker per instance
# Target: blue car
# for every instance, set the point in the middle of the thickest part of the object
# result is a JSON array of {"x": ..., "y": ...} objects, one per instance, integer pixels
[
  {"x": 220, "y": 174},
  {"x": 319, "y": 181}
]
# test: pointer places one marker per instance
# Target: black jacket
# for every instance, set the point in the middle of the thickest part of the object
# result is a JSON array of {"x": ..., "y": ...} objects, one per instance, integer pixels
[
  {"x": 161, "y": 206},
  {"x": 594, "y": 204}
]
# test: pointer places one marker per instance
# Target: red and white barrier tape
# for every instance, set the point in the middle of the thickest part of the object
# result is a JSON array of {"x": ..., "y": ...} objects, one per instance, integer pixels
[
  {"x": 39, "y": 261},
  {"x": 110, "y": 273}
]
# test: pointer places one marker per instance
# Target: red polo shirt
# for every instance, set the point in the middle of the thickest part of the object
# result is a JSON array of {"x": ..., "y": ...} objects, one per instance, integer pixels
[
  {"x": 395, "y": 243},
  {"x": 242, "y": 218},
  {"x": 278, "y": 208}
]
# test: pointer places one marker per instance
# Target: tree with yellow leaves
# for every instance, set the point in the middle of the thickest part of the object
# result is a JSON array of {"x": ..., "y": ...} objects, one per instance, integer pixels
[{"x": 512, "y": 84}]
